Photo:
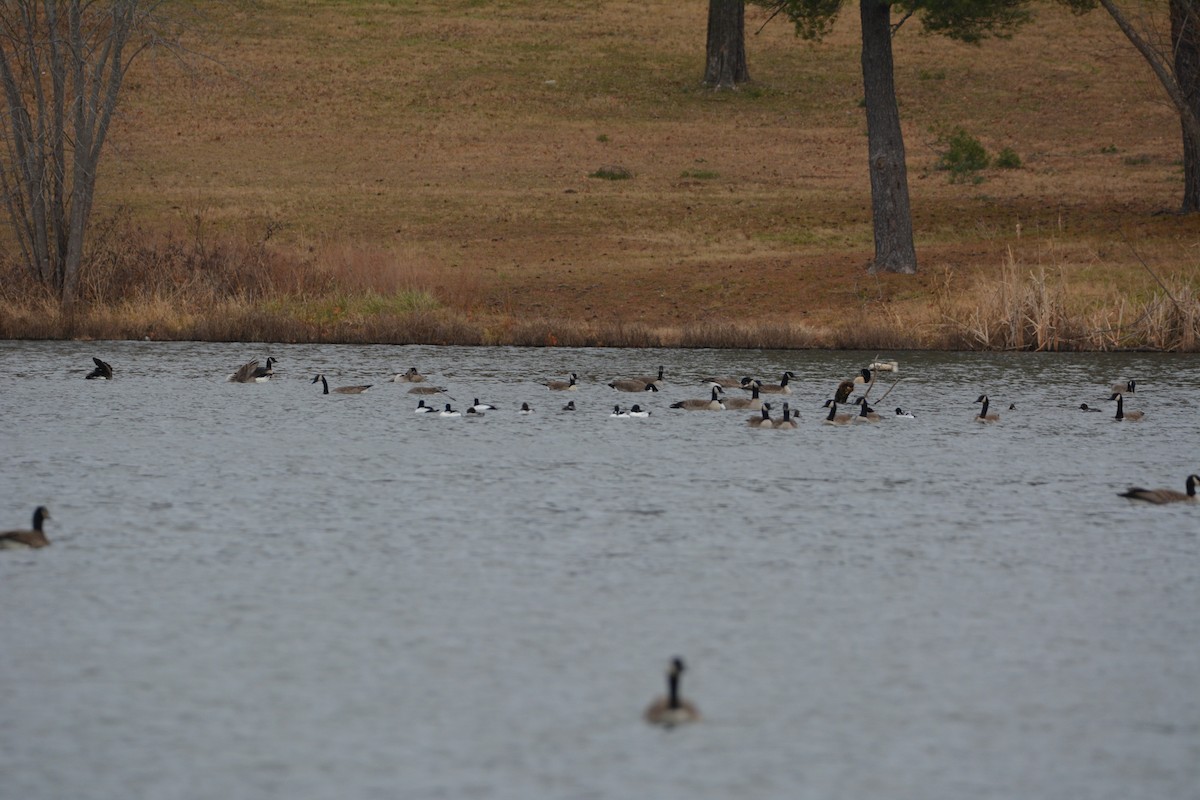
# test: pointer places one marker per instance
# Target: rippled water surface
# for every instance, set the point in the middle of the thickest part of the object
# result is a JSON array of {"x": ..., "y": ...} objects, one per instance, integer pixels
[{"x": 257, "y": 591}]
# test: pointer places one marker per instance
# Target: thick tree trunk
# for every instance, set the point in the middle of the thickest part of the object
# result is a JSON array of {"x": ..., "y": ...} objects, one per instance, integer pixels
[
  {"x": 1185, "y": 38},
  {"x": 890, "y": 210},
  {"x": 725, "y": 63}
]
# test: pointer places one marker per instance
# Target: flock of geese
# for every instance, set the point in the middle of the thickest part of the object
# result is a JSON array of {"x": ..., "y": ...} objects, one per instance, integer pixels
[{"x": 718, "y": 400}]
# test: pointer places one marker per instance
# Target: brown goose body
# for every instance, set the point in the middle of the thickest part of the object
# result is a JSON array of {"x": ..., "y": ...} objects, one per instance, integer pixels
[
  {"x": 788, "y": 422},
  {"x": 834, "y": 418},
  {"x": 103, "y": 371},
  {"x": 634, "y": 385},
  {"x": 778, "y": 388},
  {"x": 983, "y": 415},
  {"x": 763, "y": 419},
  {"x": 1161, "y": 496},
  {"x": 563, "y": 386},
  {"x": 27, "y": 539},
  {"x": 340, "y": 389},
  {"x": 752, "y": 403},
  {"x": 713, "y": 404}
]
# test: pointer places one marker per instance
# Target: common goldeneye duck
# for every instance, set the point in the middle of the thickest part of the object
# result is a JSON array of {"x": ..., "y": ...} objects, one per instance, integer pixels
[
  {"x": 424, "y": 409},
  {"x": 638, "y": 411},
  {"x": 617, "y": 412},
  {"x": 569, "y": 406},
  {"x": 525, "y": 409},
  {"x": 478, "y": 406},
  {"x": 471, "y": 412},
  {"x": 449, "y": 412},
  {"x": 902, "y": 414},
  {"x": 1086, "y": 407},
  {"x": 103, "y": 371}
]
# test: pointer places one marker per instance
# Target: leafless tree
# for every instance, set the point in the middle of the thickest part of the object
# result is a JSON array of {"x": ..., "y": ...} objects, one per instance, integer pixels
[
  {"x": 62, "y": 63},
  {"x": 1173, "y": 53}
]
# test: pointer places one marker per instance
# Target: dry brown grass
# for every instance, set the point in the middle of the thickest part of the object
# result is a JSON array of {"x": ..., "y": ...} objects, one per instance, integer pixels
[{"x": 403, "y": 172}]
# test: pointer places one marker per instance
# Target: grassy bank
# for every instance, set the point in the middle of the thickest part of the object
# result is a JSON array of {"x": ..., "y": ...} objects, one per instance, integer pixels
[{"x": 419, "y": 172}]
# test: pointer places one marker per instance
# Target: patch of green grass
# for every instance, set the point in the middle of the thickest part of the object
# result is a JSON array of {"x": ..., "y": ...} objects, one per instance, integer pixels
[
  {"x": 700, "y": 174},
  {"x": 611, "y": 173},
  {"x": 1008, "y": 159}
]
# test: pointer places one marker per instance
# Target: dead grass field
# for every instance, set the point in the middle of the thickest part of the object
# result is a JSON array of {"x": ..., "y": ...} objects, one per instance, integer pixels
[{"x": 419, "y": 169}]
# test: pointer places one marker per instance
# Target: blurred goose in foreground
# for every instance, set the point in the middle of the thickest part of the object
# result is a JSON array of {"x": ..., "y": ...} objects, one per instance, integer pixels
[
  {"x": 763, "y": 419},
  {"x": 25, "y": 540},
  {"x": 570, "y": 406},
  {"x": 672, "y": 710},
  {"x": 983, "y": 415},
  {"x": 103, "y": 371},
  {"x": 1129, "y": 387},
  {"x": 845, "y": 388},
  {"x": 1086, "y": 407},
  {"x": 637, "y": 412},
  {"x": 834, "y": 418},
  {"x": 1160, "y": 496},
  {"x": 563, "y": 386},
  {"x": 341, "y": 389},
  {"x": 1123, "y": 415},
  {"x": 634, "y": 385},
  {"x": 777, "y": 388},
  {"x": 865, "y": 412},
  {"x": 411, "y": 376},
  {"x": 712, "y": 404},
  {"x": 902, "y": 414},
  {"x": 752, "y": 403},
  {"x": 424, "y": 409},
  {"x": 788, "y": 422}
]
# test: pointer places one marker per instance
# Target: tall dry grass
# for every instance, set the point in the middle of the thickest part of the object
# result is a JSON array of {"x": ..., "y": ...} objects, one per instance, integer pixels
[{"x": 1035, "y": 308}]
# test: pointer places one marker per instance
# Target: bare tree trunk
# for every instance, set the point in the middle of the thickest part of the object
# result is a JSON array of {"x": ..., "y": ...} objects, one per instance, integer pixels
[
  {"x": 890, "y": 210},
  {"x": 1176, "y": 64},
  {"x": 1185, "y": 38},
  {"x": 725, "y": 65},
  {"x": 62, "y": 63}
]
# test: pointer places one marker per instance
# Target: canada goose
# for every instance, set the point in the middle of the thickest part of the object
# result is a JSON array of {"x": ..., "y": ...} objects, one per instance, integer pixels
[
  {"x": 428, "y": 390},
  {"x": 713, "y": 404},
  {"x": 478, "y": 406},
  {"x": 1086, "y": 407},
  {"x": 777, "y": 388},
  {"x": 751, "y": 403},
  {"x": 341, "y": 389},
  {"x": 563, "y": 386},
  {"x": 103, "y": 371},
  {"x": 638, "y": 412},
  {"x": 657, "y": 380},
  {"x": 1122, "y": 414},
  {"x": 570, "y": 406},
  {"x": 251, "y": 372},
  {"x": 672, "y": 710},
  {"x": 727, "y": 383},
  {"x": 449, "y": 412},
  {"x": 835, "y": 418},
  {"x": 617, "y": 412},
  {"x": 762, "y": 420},
  {"x": 525, "y": 409},
  {"x": 1160, "y": 496},
  {"x": 865, "y": 412},
  {"x": 634, "y": 385},
  {"x": 788, "y": 420},
  {"x": 1129, "y": 387},
  {"x": 902, "y": 414},
  {"x": 25, "y": 540},
  {"x": 983, "y": 415},
  {"x": 864, "y": 376},
  {"x": 424, "y": 409},
  {"x": 411, "y": 376}
]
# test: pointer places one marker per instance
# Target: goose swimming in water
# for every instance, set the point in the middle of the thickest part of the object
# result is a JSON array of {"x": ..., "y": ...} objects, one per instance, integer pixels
[
  {"x": 1123, "y": 415},
  {"x": 834, "y": 418},
  {"x": 983, "y": 415},
  {"x": 103, "y": 371},
  {"x": 1160, "y": 496},
  {"x": 762, "y": 419},
  {"x": 563, "y": 386},
  {"x": 712, "y": 404},
  {"x": 341, "y": 389},
  {"x": 411, "y": 376},
  {"x": 634, "y": 385},
  {"x": 672, "y": 709},
  {"x": 788, "y": 422},
  {"x": 752, "y": 403},
  {"x": 27, "y": 539},
  {"x": 1129, "y": 387},
  {"x": 777, "y": 388},
  {"x": 251, "y": 372}
]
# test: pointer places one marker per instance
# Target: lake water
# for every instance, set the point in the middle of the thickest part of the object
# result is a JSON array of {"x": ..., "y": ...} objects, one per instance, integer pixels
[{"x": 257, "y": 591}]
